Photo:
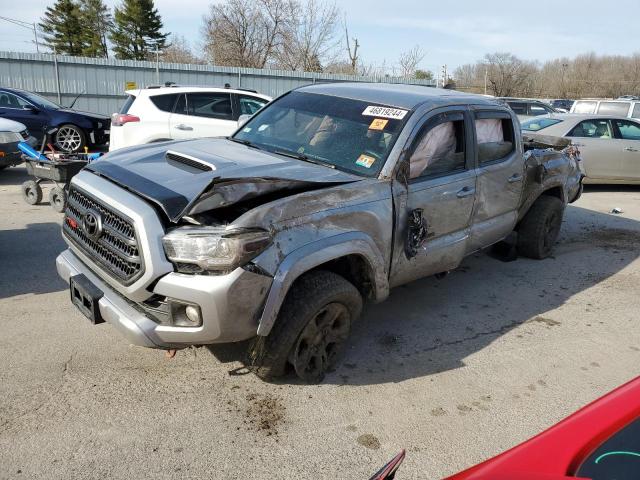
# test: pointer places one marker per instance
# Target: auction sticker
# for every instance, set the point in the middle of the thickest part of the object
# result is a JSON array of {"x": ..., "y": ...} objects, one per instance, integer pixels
[
  {"x": 385, "y": 112},
  {"x": 378, "y": 124},
  {"x": 365, "y": 161}
]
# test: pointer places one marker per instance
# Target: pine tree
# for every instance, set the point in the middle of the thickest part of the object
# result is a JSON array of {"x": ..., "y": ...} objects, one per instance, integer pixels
[
  {"x": 137, "y": 30},
  {"x": 96, "y": 21},
  {"x": 62, "y": 28}
]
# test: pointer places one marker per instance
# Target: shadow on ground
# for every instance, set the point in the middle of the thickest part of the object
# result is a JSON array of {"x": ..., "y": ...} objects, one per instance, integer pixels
[
  {"x": 27, "y": 257},
  {"x": 431, "y": 325},
  {"x": 14, "y": 175}
]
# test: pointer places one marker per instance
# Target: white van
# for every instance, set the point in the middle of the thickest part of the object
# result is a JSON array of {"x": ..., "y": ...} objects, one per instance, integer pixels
[{"x": 620, "y": 108}]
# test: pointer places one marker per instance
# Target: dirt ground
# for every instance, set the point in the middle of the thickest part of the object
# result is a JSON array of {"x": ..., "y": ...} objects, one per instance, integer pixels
[{"x": 454, "y": 370}]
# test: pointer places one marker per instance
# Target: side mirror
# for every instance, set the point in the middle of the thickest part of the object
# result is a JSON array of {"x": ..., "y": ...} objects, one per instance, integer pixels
[
  {"x": 30, "y": 108},
  {"x": 242, "y": 119}
]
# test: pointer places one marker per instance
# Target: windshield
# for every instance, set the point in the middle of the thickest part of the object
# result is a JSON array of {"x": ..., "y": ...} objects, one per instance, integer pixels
[
  {"x": 539, "y": 123},
  {"x": 40, "y": 101},
  {"x": 349, "y": 135}
]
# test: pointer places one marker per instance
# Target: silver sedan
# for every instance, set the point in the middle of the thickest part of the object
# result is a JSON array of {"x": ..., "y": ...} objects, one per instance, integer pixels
[{"x": 609, "y": 146}]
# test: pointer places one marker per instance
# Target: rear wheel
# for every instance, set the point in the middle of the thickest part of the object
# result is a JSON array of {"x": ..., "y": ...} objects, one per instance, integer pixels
[
  {"x": 31, "y": 192},
  {"x": 70, "y": 138},
  {"x": 311, "y": 330},
  {"x": 58, "y": 199},
  {"x": 540, "y": 227}
]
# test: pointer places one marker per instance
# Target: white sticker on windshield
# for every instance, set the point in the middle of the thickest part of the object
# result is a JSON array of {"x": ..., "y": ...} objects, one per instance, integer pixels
[{"x": 385, "y": 112}]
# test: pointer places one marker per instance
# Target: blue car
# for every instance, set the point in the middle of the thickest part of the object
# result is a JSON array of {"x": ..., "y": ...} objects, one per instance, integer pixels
[{"x": 75, "y": 129}]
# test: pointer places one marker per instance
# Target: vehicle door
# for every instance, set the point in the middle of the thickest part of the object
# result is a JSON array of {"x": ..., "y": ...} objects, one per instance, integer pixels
[
  {"x": 18, "y": 109},
  {"x": 205, "y": 114},
  {"x": 434, "y": 199},
  {"x": 629, "y": 134},
  {"x": 600, "y": 151},
  {"x": 500, "y": 177}
]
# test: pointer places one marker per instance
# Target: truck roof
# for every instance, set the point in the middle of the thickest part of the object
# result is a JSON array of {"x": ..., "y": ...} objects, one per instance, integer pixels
[{"x": 398, "y": 95}]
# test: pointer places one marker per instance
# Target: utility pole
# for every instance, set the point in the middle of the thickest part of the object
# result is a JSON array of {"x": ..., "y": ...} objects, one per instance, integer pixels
[
  {"x": 486, "y": 76},
  {"x": 157, "y": 65},
  {"x": 30, "y": 26},
  {"x": 444, "y": 76}
]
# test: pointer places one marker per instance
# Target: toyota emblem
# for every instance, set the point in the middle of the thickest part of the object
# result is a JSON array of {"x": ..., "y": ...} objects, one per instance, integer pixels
[{"x": 92, "y": 224}]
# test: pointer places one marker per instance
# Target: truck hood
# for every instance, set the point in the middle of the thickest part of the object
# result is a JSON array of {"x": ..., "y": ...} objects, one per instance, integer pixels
[{"x": 197, "y": 175}]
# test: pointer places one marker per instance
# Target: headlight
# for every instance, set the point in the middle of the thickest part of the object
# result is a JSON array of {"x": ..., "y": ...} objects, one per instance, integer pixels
[
  {"x": 212, "y": 248},
  {"x": 10, "y": 137}
]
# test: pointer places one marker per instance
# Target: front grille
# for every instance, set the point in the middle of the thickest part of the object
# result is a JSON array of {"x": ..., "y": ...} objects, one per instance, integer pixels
[{"x": 115, "y": 248}]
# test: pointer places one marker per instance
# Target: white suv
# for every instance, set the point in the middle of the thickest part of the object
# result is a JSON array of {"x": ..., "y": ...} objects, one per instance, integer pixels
[{"x": 173, "y": 112}]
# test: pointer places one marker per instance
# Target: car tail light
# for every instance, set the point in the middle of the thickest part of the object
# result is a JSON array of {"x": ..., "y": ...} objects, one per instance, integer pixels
[{"x": 119, "y": 119}]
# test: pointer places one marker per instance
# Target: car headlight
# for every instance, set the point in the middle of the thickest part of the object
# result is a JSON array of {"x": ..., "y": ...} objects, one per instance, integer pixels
[
  {"x": 213, "y": 248},
  {"x": 10, "y": 137}
]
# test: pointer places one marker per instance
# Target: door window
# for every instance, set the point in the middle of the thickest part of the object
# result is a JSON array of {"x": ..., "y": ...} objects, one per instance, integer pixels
[
  {"x": 636, "y": 111},
  {"x": 536, "y": 110},
  {"x": 518, "y": 108},
  {"x": 250, "y": 105},
  {"x": 628, "y": 130},
  {"x": 440, "y": 150},
  {"x": 585, "y": 107},
  {"x": 164, "y": 102},
  {"x": 614, "y": 108},
  {"x": 210, "y": 105},
  {"x": 495, "y": 139},
  {"x": 181, "y": 105},
  {"x": 9, "y": 100},
  {"x": 592, "y": 129}
]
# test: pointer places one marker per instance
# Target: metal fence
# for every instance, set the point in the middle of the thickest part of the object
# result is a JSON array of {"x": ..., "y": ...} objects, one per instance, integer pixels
[{"x": 102, "y": 81}]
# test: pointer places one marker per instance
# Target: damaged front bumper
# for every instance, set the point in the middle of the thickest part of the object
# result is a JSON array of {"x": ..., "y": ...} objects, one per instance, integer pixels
[{"x": 230, "y": 306}]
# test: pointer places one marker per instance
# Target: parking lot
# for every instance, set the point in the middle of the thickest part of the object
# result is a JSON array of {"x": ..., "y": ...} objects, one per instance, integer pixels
[{"x": 453, "y": 370}]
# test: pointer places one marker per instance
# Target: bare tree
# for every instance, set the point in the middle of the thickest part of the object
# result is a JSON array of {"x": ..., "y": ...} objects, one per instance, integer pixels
[
  {"x": 353, "y": 54},
  {"x": 409, "y": 61},
  {"x": 507, "y": 74},
  {"x": 308, "y": 36},
  {"x": 244, "y": 33},
  {"x": 179, "y": 51}
]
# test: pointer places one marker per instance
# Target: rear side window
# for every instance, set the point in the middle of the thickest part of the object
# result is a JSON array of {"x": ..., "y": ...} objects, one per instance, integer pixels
[
  {"x": 495, "y": 137},
  {"x": 127, "y": 104},
  {"x": 614, "y": 108},
  {"x": 211, "y": 105},
  {"x": 628, "y": 130},
  {"x": 636, "y": 111},
  {"x": 518, "y": 108},
  {"x": 585, "y": 107},
  {"x": 164, "y": 102},
  {"x": 537, "y": 124}
]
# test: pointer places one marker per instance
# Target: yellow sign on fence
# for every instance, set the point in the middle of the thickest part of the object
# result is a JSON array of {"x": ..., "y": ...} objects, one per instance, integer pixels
[{"x": 130, "y": 85}]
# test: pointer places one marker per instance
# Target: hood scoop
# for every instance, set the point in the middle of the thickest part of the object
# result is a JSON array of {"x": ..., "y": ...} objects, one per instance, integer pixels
[{"x": 177, "y": 159}]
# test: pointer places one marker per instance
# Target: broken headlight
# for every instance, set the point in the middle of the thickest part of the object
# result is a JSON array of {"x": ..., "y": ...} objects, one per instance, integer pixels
[{"x": 212, "y": 248}]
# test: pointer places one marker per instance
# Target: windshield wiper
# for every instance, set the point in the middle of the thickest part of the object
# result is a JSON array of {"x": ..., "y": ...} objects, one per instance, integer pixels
[
  {"x": 244, "y": 142},
  {"x": 303, "y": 157}
]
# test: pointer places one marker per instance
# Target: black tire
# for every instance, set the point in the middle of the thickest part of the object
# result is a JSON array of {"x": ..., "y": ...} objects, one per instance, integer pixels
[
  {"x": 70, "y": 138},
  {"x": 31, "y": 192},
  {"x": 58, "y": 199},
  {"x": 2, "y": 167},
  {"x": 540, "y": 227},
  {"x": 311, "y": 329}
]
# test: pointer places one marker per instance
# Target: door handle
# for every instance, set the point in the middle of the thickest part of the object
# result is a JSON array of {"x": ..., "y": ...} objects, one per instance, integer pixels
[
  {"x": 630, "y": 149},
  {"x": 516, "y": 177},
  {"x": 577, "y": 144},
  {"x": 466, "y": 192},
  {"x": 182, "y": 126}
]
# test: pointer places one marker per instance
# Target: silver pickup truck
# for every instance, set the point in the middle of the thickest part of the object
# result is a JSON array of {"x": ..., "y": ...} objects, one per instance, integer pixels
[{"x": 330, "y": 195}]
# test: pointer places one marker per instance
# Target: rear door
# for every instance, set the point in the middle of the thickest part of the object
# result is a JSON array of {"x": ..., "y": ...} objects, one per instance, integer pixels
[
  {"x": 629, "y": 134},
  {"x": 203, "y": 114},
  {"x": 500, "y": 172},
  {"x": 440, "y": 193},
  {"x": 600, "y": 151}
]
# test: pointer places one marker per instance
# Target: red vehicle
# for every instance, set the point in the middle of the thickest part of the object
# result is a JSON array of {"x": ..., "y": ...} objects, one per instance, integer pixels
[{"x": 600, "y": 442}]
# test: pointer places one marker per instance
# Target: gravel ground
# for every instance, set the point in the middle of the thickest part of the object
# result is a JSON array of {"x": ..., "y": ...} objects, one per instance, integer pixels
[{"x": 453, "y": 370}]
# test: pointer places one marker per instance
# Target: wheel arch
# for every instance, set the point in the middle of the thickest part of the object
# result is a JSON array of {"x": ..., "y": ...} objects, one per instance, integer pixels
[{"x": 353, "y": 255}]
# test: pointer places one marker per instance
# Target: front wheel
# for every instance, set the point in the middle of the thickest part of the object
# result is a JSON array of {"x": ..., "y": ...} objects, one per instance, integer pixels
[
  {"x": 311, "y": 330},
  {"x": 540, "y": 227},
  {"x": 70, "y": 138}
]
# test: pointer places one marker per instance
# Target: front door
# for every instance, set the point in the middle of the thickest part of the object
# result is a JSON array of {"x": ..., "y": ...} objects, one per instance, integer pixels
[
  {"x": 17, "y": 109},
  {"x": 599, "y": 149},
  {"x": 205, "y": 114},
  {"x": 433, "y": 209},
  {"x": 500, "y": 173},
  {"x": 629, "y": 134}
]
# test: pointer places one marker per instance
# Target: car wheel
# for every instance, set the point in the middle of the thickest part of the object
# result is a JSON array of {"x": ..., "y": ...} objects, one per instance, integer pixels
[
  {"x": 311, "y": 330},
  {"x": 70, "y": 138},
  {"x": 31, "y": 192},
  {"x": 58, "y": 199},
  {"x": 540, "y": 227}
]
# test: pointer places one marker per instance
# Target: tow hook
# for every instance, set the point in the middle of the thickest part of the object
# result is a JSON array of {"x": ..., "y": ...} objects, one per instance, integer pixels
[{"x": 170, "y": 353}]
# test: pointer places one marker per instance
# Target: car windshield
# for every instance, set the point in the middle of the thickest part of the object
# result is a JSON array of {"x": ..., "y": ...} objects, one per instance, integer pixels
[
  {"x": 343, "y": 133},
  {"x": 40, "y": 101},
  {"x": 536, "y": 124}
]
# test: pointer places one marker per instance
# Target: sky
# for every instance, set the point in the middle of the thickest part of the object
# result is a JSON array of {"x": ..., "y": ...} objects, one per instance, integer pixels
[{"x": 451, "y": 33}]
